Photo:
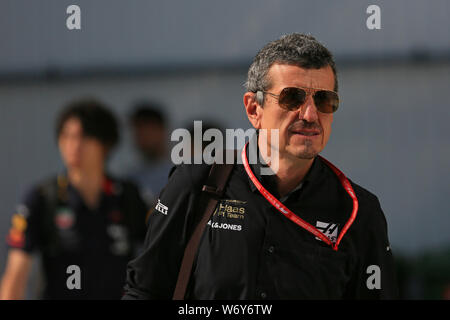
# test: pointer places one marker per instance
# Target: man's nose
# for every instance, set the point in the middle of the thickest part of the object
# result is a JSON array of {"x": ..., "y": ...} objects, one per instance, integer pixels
[{"x": 308, "y": 110}]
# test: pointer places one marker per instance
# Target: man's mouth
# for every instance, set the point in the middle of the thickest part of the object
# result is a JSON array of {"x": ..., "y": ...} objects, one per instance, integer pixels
[{"x": 308, "y": 133}]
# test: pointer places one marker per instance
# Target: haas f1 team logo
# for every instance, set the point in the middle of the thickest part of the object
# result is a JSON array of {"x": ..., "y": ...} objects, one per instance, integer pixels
[{"x": 329, "y": 229}]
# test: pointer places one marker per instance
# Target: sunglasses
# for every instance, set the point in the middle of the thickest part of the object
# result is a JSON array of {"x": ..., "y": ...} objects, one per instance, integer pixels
[{"x": 292, "y": 98}]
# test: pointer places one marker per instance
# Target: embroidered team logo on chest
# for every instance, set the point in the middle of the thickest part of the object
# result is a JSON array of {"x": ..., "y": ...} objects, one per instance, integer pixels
[
  {"x": 228, "y": 215},
  {"x": 231, "y": 209},
  {"x": 329, "y": 230}
]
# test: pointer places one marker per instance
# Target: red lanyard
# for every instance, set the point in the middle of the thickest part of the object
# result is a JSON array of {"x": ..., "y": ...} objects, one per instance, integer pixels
[{"x": 292, "y": 216}]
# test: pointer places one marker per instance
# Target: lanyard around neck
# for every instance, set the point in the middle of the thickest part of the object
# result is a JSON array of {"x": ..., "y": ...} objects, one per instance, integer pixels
[{"x": 292, "y": 216}]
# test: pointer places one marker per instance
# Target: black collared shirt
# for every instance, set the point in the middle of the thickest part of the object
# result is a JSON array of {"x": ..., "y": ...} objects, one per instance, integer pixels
[{"x": 251, "y": 251}]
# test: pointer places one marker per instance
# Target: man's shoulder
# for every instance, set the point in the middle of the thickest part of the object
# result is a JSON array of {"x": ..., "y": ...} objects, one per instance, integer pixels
[
  {"x": 120, "y": 186},
  {"x": 189, "y": 175},
  {"x": 36, "y": 195},
  {"x": 40, "y": 187},
  {"x": 369, "y": 208},
  {"x": 364, "y": 194}
]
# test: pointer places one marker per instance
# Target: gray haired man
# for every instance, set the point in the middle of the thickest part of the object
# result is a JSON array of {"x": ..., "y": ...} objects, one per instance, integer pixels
[{"x": 306, "y": 232}]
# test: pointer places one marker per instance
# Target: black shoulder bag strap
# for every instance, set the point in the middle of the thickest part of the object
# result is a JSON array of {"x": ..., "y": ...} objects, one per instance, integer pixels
[{"x": 213, "y": 190}]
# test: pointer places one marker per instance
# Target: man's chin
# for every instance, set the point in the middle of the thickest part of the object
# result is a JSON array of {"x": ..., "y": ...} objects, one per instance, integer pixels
[
  {"x": 303, "y": 153},
  {"x": 307, "y": 156}
]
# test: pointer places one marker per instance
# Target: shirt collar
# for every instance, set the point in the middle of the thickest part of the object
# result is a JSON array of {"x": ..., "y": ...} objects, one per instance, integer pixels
[{"x": 268, "y": 181}]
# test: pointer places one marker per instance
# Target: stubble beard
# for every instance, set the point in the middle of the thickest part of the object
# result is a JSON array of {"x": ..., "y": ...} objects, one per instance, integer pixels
[{"x": 307, "y": 152}]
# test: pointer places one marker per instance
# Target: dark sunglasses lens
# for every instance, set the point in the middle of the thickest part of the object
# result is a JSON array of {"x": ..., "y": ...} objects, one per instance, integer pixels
[
  {"x": 326, "y": 101},
  {"x": 292, "y": 98}
]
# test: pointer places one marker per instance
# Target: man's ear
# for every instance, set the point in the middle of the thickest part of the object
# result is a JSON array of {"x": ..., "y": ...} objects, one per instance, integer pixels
[{"x": 253, "y": 109}]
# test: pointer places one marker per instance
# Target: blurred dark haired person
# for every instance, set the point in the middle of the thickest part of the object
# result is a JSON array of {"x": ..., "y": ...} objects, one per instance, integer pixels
[
  {"x": 149, "y": 126},
  {"x": 85, "y": 223}
]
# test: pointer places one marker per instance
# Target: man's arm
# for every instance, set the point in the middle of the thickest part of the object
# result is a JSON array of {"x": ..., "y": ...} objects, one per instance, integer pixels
[
  {"x": 16, "y": 273},
  {"x": 375, "y": 274},
  {"x": 153, "y": 274},
  {"x": 23, "y": 239},
  {"x": 136, "y": 211}
]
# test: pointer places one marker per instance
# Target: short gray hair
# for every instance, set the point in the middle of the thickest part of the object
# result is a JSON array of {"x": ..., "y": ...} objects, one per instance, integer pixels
[{"x": 293, "y": 49}]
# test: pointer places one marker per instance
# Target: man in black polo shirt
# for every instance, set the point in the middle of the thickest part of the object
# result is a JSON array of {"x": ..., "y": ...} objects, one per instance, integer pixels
[
  {"x": 305, "y": 232},
  {"x": 85, "y": 224}
]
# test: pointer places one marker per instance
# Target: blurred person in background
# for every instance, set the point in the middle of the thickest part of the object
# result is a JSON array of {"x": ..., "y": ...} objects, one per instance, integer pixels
[
  {"x": 150, "y": 134},
  {"x": 82, "y": 217}
]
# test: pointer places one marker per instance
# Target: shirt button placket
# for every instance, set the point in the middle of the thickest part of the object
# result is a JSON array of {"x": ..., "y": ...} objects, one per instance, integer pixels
[{"x": 270, "y": 250}]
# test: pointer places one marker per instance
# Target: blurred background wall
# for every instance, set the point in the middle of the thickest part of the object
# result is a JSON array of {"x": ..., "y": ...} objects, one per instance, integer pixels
[{"x": 390, "y": 134}]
